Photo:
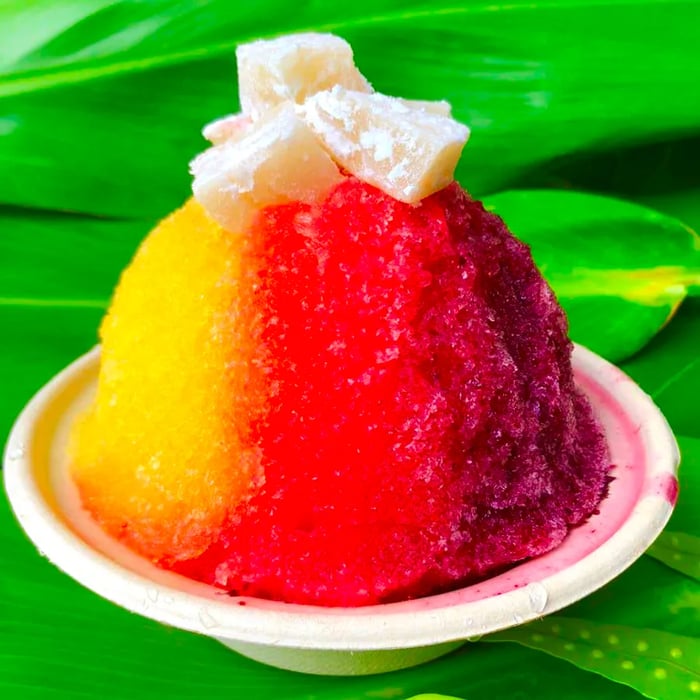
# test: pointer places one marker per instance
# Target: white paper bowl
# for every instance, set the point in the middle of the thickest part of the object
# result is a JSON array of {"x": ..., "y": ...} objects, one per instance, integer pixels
[{"x": 349, "y": 640}]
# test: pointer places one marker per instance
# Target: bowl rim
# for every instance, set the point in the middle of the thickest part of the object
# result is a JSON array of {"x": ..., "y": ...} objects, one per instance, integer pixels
[{"x": 180, "y": 602}]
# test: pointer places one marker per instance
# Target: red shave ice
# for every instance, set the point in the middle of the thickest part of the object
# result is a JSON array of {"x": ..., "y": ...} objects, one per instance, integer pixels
[{"x": 421, "y": 426}]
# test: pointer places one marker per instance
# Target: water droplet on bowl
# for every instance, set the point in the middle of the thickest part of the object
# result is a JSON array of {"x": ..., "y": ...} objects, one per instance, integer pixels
[
  {"x": 208, "y": 622},
  {"x": 152, "y": 595},
  {"x": 517, "y": 619},
  {"x": 15, "y": 454},
  {"x": 538, "y": 596}
]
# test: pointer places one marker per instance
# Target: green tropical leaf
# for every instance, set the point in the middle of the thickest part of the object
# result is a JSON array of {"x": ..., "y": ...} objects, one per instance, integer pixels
[
  {"x": 678, "y": 550},
  {"x": 646, "y": 172},
  {"x": 669, "y": 369},
  {"x": 63, "y": 260},
  {"x": 101, "y": 102},
  {"x": 620, "y": 270},
  {"x": 57, "y": 273},
  {"x": 681, "y": 203},
  {"x": 649, "y": 595},
  {"x": 661, "y": 175},
  {"x": 657, "y": 664},
  {"x": 37, "y": 342}
]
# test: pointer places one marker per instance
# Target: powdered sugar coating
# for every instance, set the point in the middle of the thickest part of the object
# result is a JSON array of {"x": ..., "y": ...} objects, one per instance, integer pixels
[
  {"x": 290, "y": 68},
  {"x": 407, "y": 149},
  {"x": 272, "y": 161}
]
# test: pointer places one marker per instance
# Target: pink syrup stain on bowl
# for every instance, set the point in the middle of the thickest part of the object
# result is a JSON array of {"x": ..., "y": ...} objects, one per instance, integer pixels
[{"x": 630, "y": 481}]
